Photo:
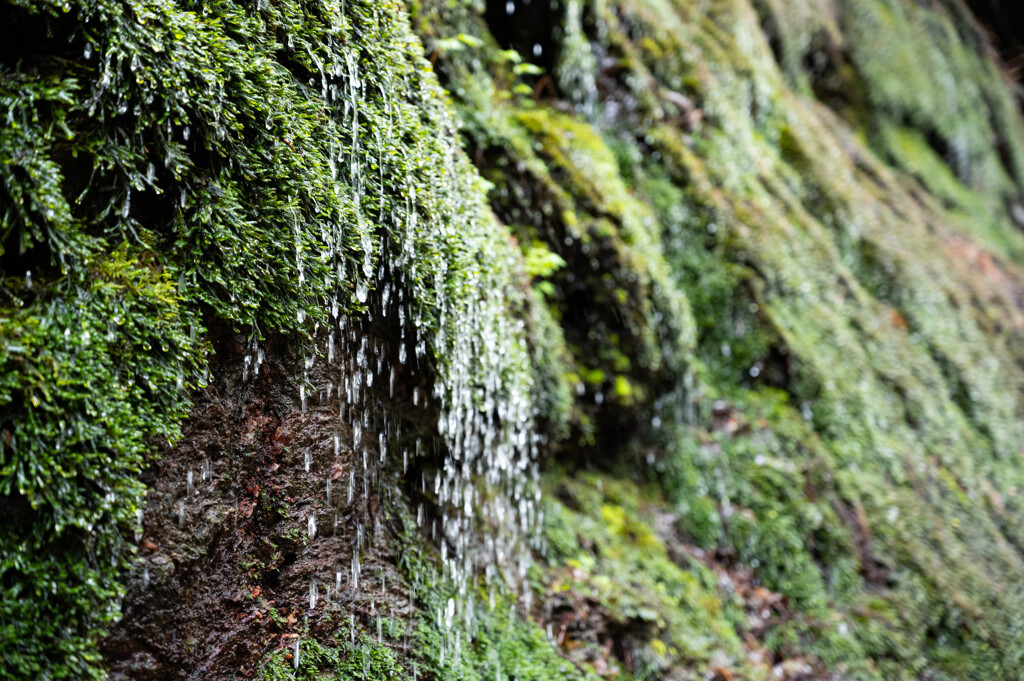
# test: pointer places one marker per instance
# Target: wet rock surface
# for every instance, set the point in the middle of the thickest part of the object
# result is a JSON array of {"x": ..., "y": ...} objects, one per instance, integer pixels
[{"x": 239, "y": 530}]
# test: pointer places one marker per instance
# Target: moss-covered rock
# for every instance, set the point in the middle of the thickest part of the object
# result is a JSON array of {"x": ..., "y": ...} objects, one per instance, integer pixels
[
  {"x": 270, "y": 169},
  {"x": 841, "y": 227},
  {"x": 754, "y": 264}
]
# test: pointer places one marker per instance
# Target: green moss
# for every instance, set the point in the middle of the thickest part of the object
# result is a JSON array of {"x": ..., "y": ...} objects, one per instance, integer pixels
[
  {"x": 670, "y": 615},
  {"x": 495, "y": 641},
  {"x": 759, "y": 481},
  {"x": 685, "y": 222},
  {"x": 93, "y": 367},
  {"x": 339, "y": 660},
  {"x": 261, "y": 164},
  {"x": 973, "y": 212},
  {"x": 845, "y": 308}
]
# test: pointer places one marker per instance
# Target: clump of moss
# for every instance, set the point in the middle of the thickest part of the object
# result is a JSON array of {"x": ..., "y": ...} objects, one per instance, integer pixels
[
  {"x": 93, "y": 368},
  {"x": 490, "y": 636},
  {"x": 342, "y": 659},
  {"x": 657, "y": 612}
]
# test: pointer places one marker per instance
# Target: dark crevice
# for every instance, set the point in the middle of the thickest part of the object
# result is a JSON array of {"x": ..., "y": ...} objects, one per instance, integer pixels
[
  {"x": 21, "y": 33},
  {"x": 590, "y": 299},
  {"x": 1004, "y": 20},
  {"x": 530, "y": 27}
]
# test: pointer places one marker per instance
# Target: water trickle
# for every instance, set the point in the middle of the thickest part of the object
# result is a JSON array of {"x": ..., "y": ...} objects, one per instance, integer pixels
[
  {"x": 449, "y": 613},
  {"x": 450, "y": 311},
  {"x": 577, "y": 65},
  {"x": 313, "y": 593}
]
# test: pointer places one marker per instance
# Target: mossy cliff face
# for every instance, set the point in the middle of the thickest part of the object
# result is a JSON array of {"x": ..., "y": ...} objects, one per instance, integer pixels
[
  {"x": 176, "y": 175},
  {"x": 674, "y": 340},
  {"x": 828, "y": 193}
]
